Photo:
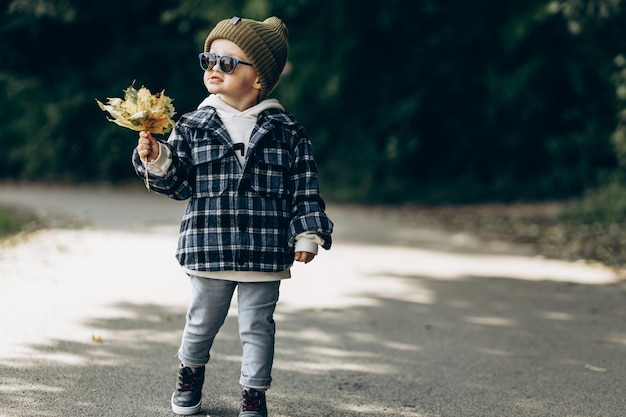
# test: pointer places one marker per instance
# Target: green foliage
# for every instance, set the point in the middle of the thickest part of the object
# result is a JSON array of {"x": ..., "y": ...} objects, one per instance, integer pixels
[
  {"x": 12, "y": 222},
  {"x": 619, "y": 136},
  {"x": 60, "y": 56},
  {"x": 604, "y": 205},
  {"x": 424, "y": 101},
  {"x": 6, "y": 223}
]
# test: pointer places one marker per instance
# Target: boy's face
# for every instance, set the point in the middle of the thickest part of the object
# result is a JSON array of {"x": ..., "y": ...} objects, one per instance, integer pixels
[{"x": 239, "y": 89}]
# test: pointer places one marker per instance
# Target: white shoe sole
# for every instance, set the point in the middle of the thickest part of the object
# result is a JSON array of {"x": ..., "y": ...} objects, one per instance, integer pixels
[{"x": 186, "y": 411}]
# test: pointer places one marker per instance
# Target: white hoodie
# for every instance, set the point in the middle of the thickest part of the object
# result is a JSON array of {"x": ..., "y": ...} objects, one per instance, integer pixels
[{"x": 239, "y": 124}]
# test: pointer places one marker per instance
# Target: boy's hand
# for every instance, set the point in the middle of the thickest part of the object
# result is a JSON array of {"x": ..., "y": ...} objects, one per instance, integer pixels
[
  {"x": 305, "y": 257},
  {"x": 147, "y": 147}
]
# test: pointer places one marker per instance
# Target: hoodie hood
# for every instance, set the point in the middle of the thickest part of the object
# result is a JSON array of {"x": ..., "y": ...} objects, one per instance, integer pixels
[
  {"x": 226, "y": 111},
  {"x": 239, "y": 124}
]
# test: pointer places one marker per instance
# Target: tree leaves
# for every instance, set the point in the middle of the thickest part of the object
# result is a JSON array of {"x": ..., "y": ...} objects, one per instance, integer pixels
[{"x": 404, "y": 101}]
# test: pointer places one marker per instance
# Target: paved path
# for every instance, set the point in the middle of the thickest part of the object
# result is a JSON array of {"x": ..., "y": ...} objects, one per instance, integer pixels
[{"x": 398, "y": 319}]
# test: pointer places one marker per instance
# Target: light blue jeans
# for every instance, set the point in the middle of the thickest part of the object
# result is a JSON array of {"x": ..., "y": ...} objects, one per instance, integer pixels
[{"x": 210, "y": 301}]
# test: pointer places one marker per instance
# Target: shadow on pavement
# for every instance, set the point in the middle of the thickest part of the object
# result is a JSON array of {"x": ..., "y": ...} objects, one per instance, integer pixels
[{"x": 471, "y": 346}]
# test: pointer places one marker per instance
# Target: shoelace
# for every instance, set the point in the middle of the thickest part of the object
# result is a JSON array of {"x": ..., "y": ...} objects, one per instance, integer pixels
[
  {"x": 250, "y": 403},
  {"x": 186, "y": 381}
]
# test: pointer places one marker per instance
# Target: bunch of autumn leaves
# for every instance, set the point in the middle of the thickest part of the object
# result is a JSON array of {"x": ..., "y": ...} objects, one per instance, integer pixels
[{"x": 142, "y": 111}]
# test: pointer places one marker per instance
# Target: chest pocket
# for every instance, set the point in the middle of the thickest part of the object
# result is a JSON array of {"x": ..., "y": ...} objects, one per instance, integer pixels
[
  {"x": 211, "y": 163},
  {"x": 270, "y": 176}
]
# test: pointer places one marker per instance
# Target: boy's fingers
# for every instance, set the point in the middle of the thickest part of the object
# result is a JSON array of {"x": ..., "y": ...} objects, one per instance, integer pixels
[
  {"x": 147, "y": 143},
  {"x": 305, "y": 257},
  {"x": 147, "y": 136}
]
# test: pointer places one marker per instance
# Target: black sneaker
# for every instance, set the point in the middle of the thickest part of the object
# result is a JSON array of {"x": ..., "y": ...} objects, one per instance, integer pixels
[
  {"x": 252, "y": 403},
  {"x": 187, "y": 398}
]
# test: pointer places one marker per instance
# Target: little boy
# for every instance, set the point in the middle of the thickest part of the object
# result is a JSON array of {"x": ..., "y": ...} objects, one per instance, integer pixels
[{"x": 248, "y": 169}]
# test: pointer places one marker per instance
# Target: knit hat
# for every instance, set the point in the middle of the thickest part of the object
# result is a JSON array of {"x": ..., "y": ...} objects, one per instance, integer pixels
[{"x": 265, "y": 43}]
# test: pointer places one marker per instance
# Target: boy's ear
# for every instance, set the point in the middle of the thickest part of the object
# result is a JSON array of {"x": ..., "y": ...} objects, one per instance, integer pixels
[{"x": 257, "y": 83}]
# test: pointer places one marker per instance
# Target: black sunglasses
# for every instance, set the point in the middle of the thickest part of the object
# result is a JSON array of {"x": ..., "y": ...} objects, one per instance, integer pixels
[{"x": 227, "y": 64}]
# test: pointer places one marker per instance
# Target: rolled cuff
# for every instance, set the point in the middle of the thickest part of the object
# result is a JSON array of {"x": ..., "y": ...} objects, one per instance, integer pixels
[
  {"x": 160, "y": 165},
  {"x": 308, "y": 242}
]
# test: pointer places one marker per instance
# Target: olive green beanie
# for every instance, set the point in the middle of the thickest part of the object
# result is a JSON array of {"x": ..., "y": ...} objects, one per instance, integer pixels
[{"x": 265, "y": 43}]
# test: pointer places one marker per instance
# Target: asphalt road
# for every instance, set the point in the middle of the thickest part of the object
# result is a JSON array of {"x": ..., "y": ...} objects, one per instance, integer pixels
[{"x": 397, "y": 319}]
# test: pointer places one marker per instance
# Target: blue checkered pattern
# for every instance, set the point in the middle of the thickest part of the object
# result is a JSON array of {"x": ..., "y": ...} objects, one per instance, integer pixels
[{"x": 242, "y": 218}]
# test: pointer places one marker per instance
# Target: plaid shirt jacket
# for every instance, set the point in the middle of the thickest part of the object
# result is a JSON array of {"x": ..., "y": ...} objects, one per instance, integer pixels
[{"x": 242, "y": 218}]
